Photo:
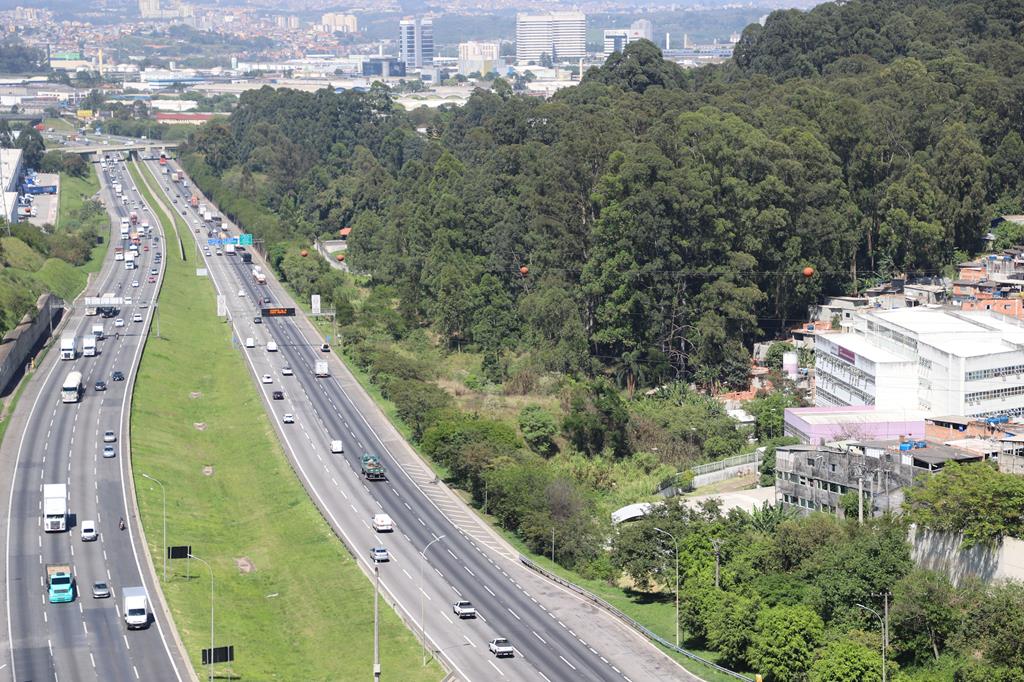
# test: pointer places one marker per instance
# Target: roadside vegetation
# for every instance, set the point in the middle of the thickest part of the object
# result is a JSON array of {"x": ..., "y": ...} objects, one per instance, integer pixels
[
  {"x": 199, "y": 427},
  {"x": 550, "y": 293},
  {"x": 34, "y": 260}
]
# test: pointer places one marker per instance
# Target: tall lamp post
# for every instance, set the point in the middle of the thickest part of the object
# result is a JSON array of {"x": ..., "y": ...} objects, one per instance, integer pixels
[
  {"x": 163, "y": 494},
  {"x": 192, "y": 556},
  {"x": 423, "y": 623},
  {"x": 885, "y": 634},
  {"x": 675, "y": 543}
]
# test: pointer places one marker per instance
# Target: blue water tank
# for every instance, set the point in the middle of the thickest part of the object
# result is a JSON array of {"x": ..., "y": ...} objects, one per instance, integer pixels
[
  {"x": 905, "y": 446},
  {"x": 921, "y": 444}
]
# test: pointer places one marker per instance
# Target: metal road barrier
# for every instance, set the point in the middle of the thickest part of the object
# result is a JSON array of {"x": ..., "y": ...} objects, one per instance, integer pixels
[{"x": 590, "y": 596}]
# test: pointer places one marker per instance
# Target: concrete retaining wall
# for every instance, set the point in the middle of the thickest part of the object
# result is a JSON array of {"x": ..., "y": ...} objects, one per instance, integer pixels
[
  {"x": 942, "y": 552},
  {"x": 25, "y": 340}
]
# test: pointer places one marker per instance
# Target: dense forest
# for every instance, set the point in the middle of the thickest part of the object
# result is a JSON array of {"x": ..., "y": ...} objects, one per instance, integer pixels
[{"x": 655, "y": 217}]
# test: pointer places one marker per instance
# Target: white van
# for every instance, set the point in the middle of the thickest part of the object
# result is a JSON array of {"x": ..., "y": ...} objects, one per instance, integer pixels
[
  {"x": 250, "y": 342},
  {"x": 382, "y": 523},
  {"x": 271, "y": 346},
  {"x": 337, "y": 446}
]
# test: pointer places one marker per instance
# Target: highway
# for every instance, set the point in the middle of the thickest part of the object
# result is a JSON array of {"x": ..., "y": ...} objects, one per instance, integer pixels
[
  {"x": 62, "y": 443},
  {"x": 556, "y": 635}
]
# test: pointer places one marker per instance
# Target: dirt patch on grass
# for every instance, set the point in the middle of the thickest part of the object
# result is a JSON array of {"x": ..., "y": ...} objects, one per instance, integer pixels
[
  {"x": 195, "y": 394},
  {"x": 244, "y": 565},
  {"x": 207, "y": 470},
  {"x": 200, "y": 426}
]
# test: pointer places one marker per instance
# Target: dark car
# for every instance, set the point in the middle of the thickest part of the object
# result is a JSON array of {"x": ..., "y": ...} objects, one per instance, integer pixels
[
  {"x": 101, "y": 385},
  {"x": 257, "y": 320},
  {"x": 117, "y": 376},
  {"x": 278, "y": 395}
]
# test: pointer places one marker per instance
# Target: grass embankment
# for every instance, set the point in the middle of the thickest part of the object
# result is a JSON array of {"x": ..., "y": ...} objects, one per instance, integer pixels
[
  {"x": 287, "y": 593},
  {"x": 59, "y": 125}
]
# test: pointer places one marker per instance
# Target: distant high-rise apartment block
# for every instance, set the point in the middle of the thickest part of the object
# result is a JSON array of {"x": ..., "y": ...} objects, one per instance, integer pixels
[
  {"x": 149, "y": 8},
  {"x": 642, "y": 28},
  {"x": 616, "y": 39},
  {"x": 339, "y": 23},
  {"x": 478, "y": 57},
  {"x": 416, "y": 42},
  {"x": 560, "y": 35}
]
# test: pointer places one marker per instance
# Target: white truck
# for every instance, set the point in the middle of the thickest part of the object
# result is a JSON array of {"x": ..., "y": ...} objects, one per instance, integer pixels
[
  {"x": 229, "y": 249},
  {"x": 464, "y": 609},
  {"x": 136, "y": 607},
  {"x": 129, "y": 260},
  {"x": 97, "y": 332},
  {"x": 55, "y": 507},
  {"x": 68, "y": 347},
  {"x": 501, "y": 647},
  {"x": 321, "y": 369},
  {"x": 89, "y": 346},
  {"x": 382, "y": 523},
  {"x": 259, "y": 275},
  {"x": 207, "y": 216}
]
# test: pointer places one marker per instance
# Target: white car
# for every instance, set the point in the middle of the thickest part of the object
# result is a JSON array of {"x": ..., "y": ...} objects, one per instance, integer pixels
[
  {"x": 288, "y": 418},
  {"x": 119, "y": 322},
  {"x": 127, "y": 300},
  {"x": 271, "y": 346},
  {"x": 287, "y": 371},
  {"x": 137, "y": 317},
  {"x": 109, "y": 437},
  {"x": 241, "y": 293},
  {"x": 267, "y": 379},
  {"x": 89, "y": 531},
  {"x": 135, "y": 282}
]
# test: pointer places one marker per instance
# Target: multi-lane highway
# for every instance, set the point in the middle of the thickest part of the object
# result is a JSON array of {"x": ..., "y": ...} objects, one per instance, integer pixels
[
  {"x": 56, "y": 442},
  {"x": 556, "y": 635}
]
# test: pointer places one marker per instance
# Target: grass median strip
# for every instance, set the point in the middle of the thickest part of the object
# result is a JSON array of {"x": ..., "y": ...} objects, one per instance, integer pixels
[{"x": 288, "y": 595}]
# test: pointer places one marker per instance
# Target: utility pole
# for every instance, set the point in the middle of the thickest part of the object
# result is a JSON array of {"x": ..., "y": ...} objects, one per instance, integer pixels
[
  {"x": 376, "y": 623},
  {"x": 717, "y": 545}
]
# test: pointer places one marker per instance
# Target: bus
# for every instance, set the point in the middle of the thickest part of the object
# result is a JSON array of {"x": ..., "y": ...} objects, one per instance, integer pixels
[{"x": 71, "y": 391}]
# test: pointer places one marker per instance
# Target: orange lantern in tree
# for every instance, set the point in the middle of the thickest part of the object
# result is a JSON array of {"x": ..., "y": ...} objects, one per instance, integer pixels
[
  {"x": 304, "y": 253},
  {"x": 808, "y": 271}
]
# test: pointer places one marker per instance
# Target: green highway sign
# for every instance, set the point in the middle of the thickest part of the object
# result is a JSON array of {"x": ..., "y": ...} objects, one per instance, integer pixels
[{"x": 245, "y": 240}]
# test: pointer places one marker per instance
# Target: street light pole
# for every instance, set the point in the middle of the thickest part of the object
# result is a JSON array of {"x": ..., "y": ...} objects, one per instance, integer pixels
[
  {"x": 675, "y": 543},
  {"x": 423, "y": 623},
  {"x": 192, "y": 556},
  {"x": 163, "y": 494},
  {"x": 885, "y": 631},
  {"x": 376, "y": 623}
]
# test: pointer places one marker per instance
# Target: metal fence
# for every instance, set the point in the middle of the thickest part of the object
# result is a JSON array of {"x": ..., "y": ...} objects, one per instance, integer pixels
[
  {"x": 736, "y": 460},
  {"x": 590, "y": 596}
]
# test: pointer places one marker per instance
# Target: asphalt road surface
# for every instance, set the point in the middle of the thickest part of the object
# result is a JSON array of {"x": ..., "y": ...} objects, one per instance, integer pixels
[{"x": 62, "y": 443}]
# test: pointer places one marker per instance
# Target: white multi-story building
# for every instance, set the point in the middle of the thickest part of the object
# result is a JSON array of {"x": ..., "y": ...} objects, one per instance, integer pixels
[
  {"x": 938, "y": 360},
  {"x": 478, "y": 57},
  {"x": 416, "y": 42},
  {"x": 339, "y": 23},
  {"x": 560, "y": 35}
]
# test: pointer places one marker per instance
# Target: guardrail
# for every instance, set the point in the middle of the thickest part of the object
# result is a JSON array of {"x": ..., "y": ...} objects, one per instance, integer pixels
[
  {"x": 733, "y": 461},
  {"x": 590, "y": 596}
]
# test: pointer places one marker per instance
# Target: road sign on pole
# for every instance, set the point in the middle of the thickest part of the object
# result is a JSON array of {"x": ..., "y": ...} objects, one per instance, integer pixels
[
  {"x": 221, "y": 654},
  {"x": 245, "y": 240},
  {"x": 314, "y": 302}
]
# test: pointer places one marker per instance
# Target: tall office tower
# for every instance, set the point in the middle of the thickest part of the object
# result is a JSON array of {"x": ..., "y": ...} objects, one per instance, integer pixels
[
  {"x": 416, "y": 42},
  {"x": 560, "y": 35}
]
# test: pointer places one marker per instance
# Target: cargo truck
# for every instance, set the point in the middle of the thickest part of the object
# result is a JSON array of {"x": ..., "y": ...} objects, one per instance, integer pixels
[
  {"x": 129, "y": 260},
  {"x": 89, "y": 346},
  {"x": 60, "y": 583},
  {"x": 321, "y": 370},
  {"x": 258, "y": 275},
  {"x": 71, "y": 389},
  {"x": 68, "y": 347},
  {"x": 194, "y": 201},
  {"x": 207, "y": 216},
  {"x": 136, "y": 607},
  {"x": 133, "y": 218},
  {"x": 371, "y": 467},
  {"x": 229, "y": 249},
  {"x": 55, "y": 507},
  {"x": 97, "y": 331},
  {"x": 118, "y": 253}
]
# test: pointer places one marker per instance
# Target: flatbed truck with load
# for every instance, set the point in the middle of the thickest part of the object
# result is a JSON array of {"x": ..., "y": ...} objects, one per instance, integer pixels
[
  {"x": 60, "y": 583},
  {"x": 371, "y": 467}
]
